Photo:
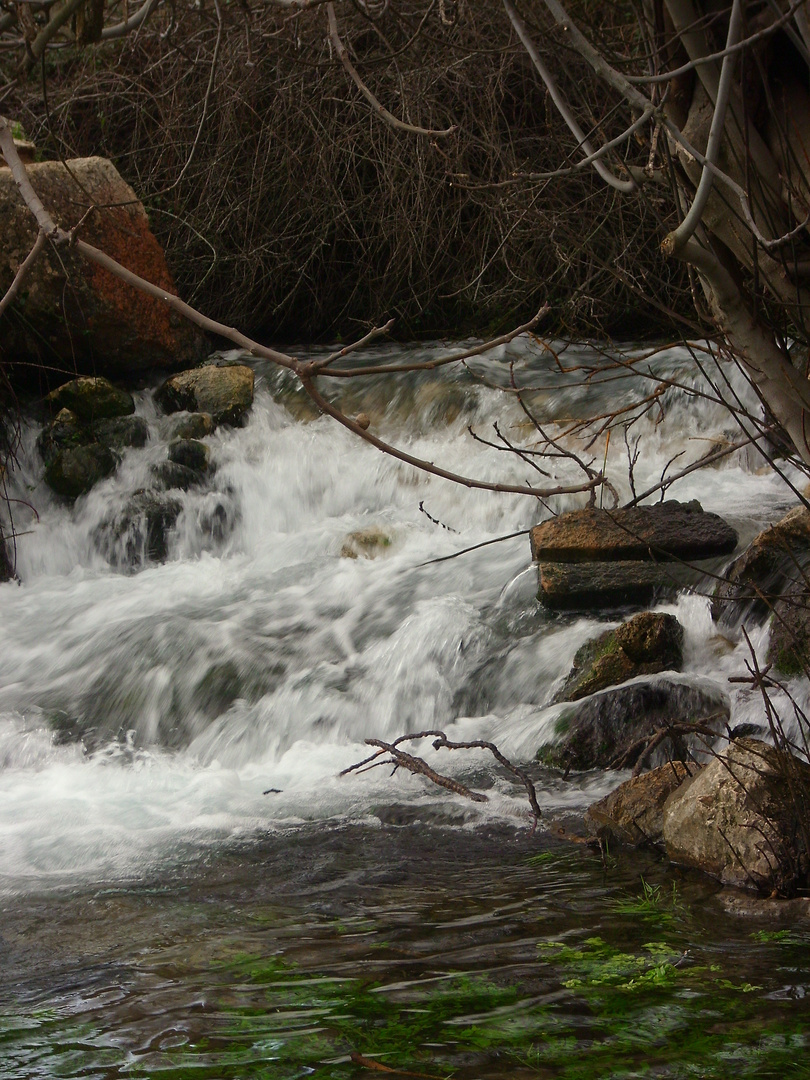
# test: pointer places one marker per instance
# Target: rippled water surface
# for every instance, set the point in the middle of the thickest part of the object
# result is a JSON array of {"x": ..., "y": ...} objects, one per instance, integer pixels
[{"x": 189, "y": 888}]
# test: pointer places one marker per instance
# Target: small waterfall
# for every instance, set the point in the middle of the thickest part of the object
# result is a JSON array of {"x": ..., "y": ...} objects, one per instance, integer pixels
[{"x": 156, "y": 679}]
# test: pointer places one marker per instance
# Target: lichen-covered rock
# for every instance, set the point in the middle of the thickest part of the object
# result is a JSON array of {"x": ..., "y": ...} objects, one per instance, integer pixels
[
  {"x": 365, "y": 543},
  {"x": 78, "y": 314},
  {"x": 91, "y": 399},
  {"x": 644, "y": 645},
  {"x": 743, "y": 818},
  {"x": 189, "y": 452},
  {"x": 666, "y": 531},
  {"x": 603, "y": 730},
  {"x": 634, "y": 812},
  {"x": 766, "y": 569},
  {"x": 74, "y": 470},
  {"x": 193, "y": 426},
  {"x": 226, "y": 392},
  {"x": 120, "y": 432}
]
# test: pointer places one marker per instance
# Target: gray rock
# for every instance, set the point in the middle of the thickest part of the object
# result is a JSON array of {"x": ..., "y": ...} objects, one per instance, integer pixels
[
  {"x": 193, "y": 426},
  {"x": 141, "y": 531},
  {"x": 191, "y": 453},
  {"x": 634, "y": 812},
  {"x": 743, "y": 818},
  {"x": 226, "y": 393},
  {"x": 120, "y": 432},
  {"x": 91, "y": 399},
  {"x": 603, "y": 730},
  {"x": 169, "y": 475},
  {"x": 666, "y": 531},
  {"x": 73, "y": 471},
  {"x": 644, "y": 645}
]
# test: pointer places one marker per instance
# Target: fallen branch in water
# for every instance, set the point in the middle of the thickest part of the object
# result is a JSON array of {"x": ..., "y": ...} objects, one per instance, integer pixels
[{"x": 417, "y": 765}]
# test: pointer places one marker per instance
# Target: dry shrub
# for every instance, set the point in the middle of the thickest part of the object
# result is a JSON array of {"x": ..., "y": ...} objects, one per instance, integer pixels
[{"x": 287, "y": 207}]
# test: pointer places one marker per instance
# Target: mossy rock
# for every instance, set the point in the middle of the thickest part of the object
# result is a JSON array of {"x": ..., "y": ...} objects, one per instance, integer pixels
[
  {"x": 74, "y": 471},
  {"x": 91, "y": 399},
  {"x": 169, "y": 476},
  {"x": 789, "y": 645},
  {"x": 224, "y": 392},
  {"x": 64, "y": 433},
  {"x": 120, "y": 432},
  {"x": 189, "y": 452},
  {"x": 646, "y": 644}
]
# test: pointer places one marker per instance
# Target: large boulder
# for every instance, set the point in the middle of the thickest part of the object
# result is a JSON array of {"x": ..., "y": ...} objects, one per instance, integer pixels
[
  {"x": 608, "y": 729},
  {"x": 120, "y": 432},
  {"x": 644, "y": 645},
  {"x": 225, "y": 392},
  {"x": 666, "y": 531},
  {"x": 766, "y": 569},
  {"x": 72, "y": 313},
  {"x": 744, "y": 818},
  {"x": 634, "y": 812}
]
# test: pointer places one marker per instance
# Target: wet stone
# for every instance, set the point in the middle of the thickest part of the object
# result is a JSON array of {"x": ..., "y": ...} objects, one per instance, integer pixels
[
  {"x": 65, "y": 432},
  {"x": 73, "y": 471},
  {"x": 225, "y": 393},
  {"x": 634, "y": 812},
  {"x": 193, "y": 426},
  {"x": 170, "y": 475},
  {"x": 92, "y": 399},
  {"x": 140, "y": 533},
  {"x": 190, "y": 453},
  {"x": 602, "y": 731},
  {"x": 120, "y": 432}
]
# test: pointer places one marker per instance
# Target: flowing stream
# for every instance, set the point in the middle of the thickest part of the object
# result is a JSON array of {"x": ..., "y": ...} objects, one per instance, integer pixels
[{"x": 189, "y": 888}]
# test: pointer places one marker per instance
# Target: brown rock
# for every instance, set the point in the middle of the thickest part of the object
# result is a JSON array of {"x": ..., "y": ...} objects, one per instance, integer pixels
[
  {"x": 570, "y": 586},
  {"x": 78, "y": 315},
  {"x": 744, "y": 818},
  {"x": 766, "y": 568},
  {"x": 669, "y": 530},
  {"x": 634, "y": 812}
]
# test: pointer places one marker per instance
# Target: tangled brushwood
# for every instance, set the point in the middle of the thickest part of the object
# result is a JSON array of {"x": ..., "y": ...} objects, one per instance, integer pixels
[{"x": 287, "y": 205}]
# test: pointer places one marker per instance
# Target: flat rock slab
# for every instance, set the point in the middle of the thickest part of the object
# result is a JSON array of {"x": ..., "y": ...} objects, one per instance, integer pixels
[
  {"x": 666, "y": 531},
  {"x": 568, "y": 586}
]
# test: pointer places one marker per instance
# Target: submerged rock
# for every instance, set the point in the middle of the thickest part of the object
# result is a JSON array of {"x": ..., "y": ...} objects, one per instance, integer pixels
[
  {"x": 634, "y": 812},
  {"x": 744, "y": 818},
  {"x": 140, "y": 533},
  {"x": 73, "y": 471},
  {"x": 170, "y": 475},
  {"x": 226, "y": 393},
  {"x": 91, "y": 399},
  {"x": 365, "y": 543},
  {"x": 644, "y": 645},
  {"x": 601, "y": 732},
  {"x": 666, "y": 531}
]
